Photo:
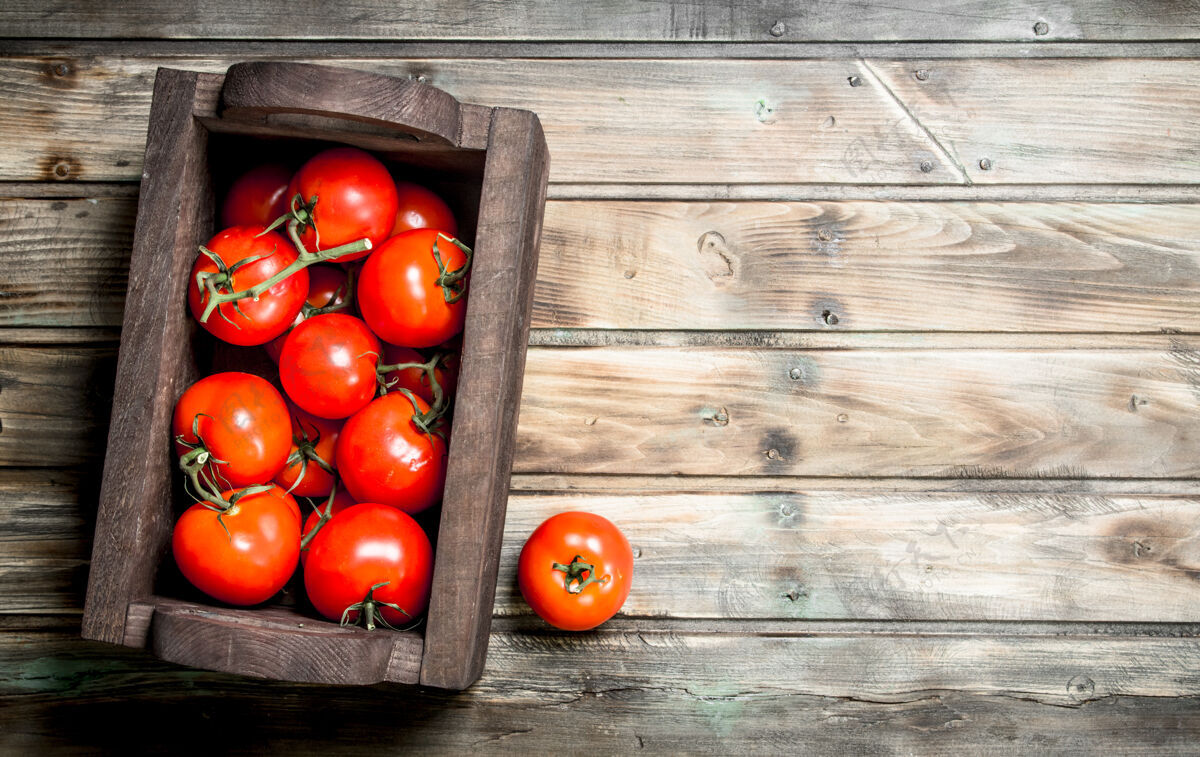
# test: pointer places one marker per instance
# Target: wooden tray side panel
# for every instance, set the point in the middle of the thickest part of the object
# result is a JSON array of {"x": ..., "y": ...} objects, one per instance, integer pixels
[
  {"x": 485, "y": 421},
  {"x": 134, "y": 521}
]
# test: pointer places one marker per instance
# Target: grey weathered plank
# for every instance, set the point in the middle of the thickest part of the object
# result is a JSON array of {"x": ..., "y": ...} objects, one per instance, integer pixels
[
  {"x": 1054, "y": 411},
  {"x": 868, "y": 552},
  {"x": 605, "y": 120},
  {"x": 888, "y": 266},
  {"x": 1070, "y": 414},
  {"x": 625, "y": 690},
  {"x": 626, "y": 20}
]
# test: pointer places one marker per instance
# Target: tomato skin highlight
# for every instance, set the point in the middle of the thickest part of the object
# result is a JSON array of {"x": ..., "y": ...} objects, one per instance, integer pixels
[
  {"x": 242, "y": 420},
  {"x": 327, "y": 365},
  {"x": 383, "y": 457},
  {"x": 559, "y": 539},
  {"x": 356, "y": 199},
  {"x": 250, "y": 558},
  {"x": 365, "y": 545},
  {"x": 257, "y": 197},
  {"x": 420, "y": 208},
  {"x": 398, "y": 293},
  {"x": 272, "y": 313}
]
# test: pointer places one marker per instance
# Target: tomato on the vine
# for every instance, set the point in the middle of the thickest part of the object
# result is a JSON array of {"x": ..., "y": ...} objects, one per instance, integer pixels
[
  {"x": 356, "y": 199},
  {"x": 311, "y": 461},
  {"x": 384, "y": 456},
  {"x": 253, "y": 320},
  {"x": 406, "y": 297},
  {"x": 363, "y": 547},
  {"x": 327, "y": 365},
  {"x": 257, "y": 197},
  {"x": 243, "y": 424},
  {"x": 324, "y": 510},
  {"x": 328, "y": 287},
  {"x": 575, "y": 570},
  {"x": 415, "y": 379},
  {"x": 242, "y": 554},
  {"x": 420, "y": 208}
]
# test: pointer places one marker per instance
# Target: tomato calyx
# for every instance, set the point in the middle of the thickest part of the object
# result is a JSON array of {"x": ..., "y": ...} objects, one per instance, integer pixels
[
  {"x": 325, "y": 515},
  {"x": 452, "y": 282},
  {"x": 428, "y": 368},
  {"x": 368, "y": 611},
  {"x": 579, "y": 574},
  {"x": 217, "y": 286},
  {"x": 341, "y": 299},
  {"x": 199, "y": 460},
  {"x": 306, "y": 451}
]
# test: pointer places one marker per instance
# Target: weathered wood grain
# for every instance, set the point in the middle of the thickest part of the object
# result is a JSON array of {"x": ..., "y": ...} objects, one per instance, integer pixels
[
  {"x": 1072, "y": 414},
  {"x": 65, "y": 261},
  {"x": 638, "y": 689},
  {"x": 605, "y": 120},
  {"x": 1067, "y": 554},
  {"x": 625, "y": 20},
  {"x": 1018, "y": 267},
  {"x": 1053, "y": 412},
  {"x": 889, "y": 266},
  {"x": 54, "y": 404},
  {"x": 1080, "y": 121}
]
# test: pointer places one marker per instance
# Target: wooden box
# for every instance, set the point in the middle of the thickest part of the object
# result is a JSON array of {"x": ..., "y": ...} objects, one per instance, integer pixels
[{"x": 490, "y": 164}]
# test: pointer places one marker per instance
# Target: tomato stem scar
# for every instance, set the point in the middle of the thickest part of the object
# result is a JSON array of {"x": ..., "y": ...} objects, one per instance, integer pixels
[{"x": 580, "y": 574}]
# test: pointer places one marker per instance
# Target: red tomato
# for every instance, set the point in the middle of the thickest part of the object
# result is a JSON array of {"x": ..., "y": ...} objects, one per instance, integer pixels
[
  {"x": 364, "y": 546},
  {"x": 399, "y": 294},
  {"x": 247, "y": 555},
  {"x": 327, "y": 366},
  {"x": 243, "y": 422},
  {"x": 416, "y": 380},
  {"x": 383, "y": 456},
  {"x": 326, "y": 286},
  {"x": 257, "y": 197},
  {"x": 341, "y": 501},
  {"x": 420, "y": 208},
  {"x": 575, "y": 570},
  {"x": 263, "y": 318},
  {"x": 356, "y": 199},
  {"x": 313, "y": 441}
]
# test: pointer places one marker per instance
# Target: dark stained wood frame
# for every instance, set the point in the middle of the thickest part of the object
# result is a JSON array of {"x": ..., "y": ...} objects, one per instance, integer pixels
[{"x": 407, "y": 120}]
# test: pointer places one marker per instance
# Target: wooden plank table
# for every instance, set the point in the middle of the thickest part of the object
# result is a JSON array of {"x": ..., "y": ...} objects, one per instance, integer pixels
[{"x": 876, "y": 326}]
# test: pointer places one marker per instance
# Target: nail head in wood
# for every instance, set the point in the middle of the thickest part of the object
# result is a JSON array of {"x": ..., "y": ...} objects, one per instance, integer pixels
[
  {"x": 1041, "y": 28},
  {"x": 855, "y": 81},
  {"x": 779, "y": 29},
  {"x": 985, "y": 164}
]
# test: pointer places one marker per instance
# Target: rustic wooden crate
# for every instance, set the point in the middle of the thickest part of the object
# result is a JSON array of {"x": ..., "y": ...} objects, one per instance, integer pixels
[{"x": 491, "y": 164}]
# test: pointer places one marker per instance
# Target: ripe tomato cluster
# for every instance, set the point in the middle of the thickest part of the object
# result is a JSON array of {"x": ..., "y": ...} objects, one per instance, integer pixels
[{"x": 355, "y": 285}]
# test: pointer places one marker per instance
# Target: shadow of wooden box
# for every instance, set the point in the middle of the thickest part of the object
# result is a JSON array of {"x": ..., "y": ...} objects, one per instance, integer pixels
[{"x": 490, "y": 164}]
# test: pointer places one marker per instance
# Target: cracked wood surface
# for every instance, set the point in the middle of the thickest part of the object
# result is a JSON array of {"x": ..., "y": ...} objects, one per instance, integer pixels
[
  {"x": 701, "y": 121},
  {"x": 968, "y": 523}
]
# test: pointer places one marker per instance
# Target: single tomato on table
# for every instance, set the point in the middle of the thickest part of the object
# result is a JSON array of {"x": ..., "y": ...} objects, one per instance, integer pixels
[
  {"x": 575, "y": 570},
  {"x": 230, "y": 266},
  {"x": 242, "y": 551},
  {"x": 366, "y": 558},
  {"x": 356, "y": 199},
  {"x": 412, "y": 290},
  {"x": 242, "y": 423}
]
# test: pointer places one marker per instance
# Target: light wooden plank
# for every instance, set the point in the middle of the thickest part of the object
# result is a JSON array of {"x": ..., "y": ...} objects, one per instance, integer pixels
[
  {"x": 806, "y": 554},
  {"x": 625, "y": 20},
  {"x": 1069, "y": 414},
  {"x": 65, "y": 261},
  {"x": 894, "y": 556},
  {"x": 638, "y": 690},
  {"x": 874, "y": 266},
  {"x": 1056, "y": 413},
  {"x": 1081, "y": 121},
  {"x": 605, "y": 120},
  {"x": 878, "y": 266}
]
